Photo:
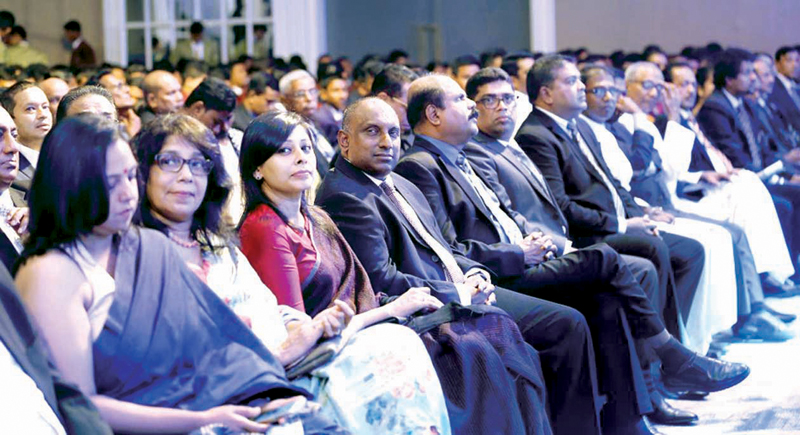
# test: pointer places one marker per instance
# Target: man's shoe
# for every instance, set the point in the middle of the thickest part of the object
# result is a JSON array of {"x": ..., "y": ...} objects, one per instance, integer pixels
[
  {"x": 706, "y": 374},
  {"x": 773, "y": 287},
  {"x": 762, "y": 325},
  {"x": 783, "y": 317},
  {"x": 664, "y": 413}
]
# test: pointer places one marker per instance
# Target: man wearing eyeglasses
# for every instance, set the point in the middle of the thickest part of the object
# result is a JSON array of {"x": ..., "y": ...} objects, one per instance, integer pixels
[{"x": 299, "y": 94}]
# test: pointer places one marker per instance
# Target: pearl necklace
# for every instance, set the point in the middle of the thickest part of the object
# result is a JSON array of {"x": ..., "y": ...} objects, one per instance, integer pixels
[{"x": 182, "y": 242}]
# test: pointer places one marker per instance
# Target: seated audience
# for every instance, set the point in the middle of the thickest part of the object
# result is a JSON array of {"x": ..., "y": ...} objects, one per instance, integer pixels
[
  {"x": 19, "y": 52},
  {"x": 785, "y": 95},
  {"x": 186, "y": 188},
  {"x": 140, "y": 334},
  {"x": 298, "y": 252}
]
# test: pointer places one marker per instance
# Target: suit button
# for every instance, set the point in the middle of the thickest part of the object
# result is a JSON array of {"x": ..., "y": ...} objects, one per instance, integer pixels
[{"x": 435, "y": 259}]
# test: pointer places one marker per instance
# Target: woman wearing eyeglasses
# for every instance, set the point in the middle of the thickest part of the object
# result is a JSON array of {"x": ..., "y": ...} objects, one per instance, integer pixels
[{"x": 370, "y": 386}]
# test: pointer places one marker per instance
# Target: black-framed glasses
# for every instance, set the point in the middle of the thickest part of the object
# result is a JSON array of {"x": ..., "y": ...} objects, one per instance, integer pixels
[
  {"x": 601, "y": 91},
  {"x": 172, "y": 163},
  {"x": 649, "y": 85},
  {"x": 492, "y": 101}
]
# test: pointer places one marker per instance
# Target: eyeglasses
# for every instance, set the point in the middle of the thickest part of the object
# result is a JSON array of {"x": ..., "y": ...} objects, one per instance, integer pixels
[
  {"x": 400, "y": 102},
  {"x": 310, "y": 93},
  {"x": 172, "y": 163},
  {"x": 600, "y": 92},
  {"x": 649, "y": 85},
  {"x": 492, "y": 101}
]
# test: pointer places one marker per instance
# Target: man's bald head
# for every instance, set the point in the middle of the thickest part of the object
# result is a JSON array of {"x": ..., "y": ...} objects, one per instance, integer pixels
[
  {"x": 439, "y": 108},
  {"x": 370, "y": 136},
  {"x": 162, "y": 92},
  {"x": 55, "y": 89}
]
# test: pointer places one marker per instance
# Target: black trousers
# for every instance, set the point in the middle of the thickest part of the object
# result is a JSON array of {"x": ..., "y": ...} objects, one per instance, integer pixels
[
  {"x": 598, "y": 282},
  {"x": 563, "y": 340},
  {"x": 679, "y": 263}
]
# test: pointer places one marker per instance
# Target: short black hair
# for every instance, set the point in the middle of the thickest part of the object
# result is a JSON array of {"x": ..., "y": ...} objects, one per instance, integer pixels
[
  {"x": 7, "y": 19},
  {"x": 396, "y": 54},
  {"x": 391, "y": 80},
  {"x": 196, "y": 28},
  {"x": 488, "y": 55},
  {"x": 419, "y": 102},
  {"x": 260, "y": 81},
  {"x": 73, "y": 26},
  {"x": 464, "y": 60},
  {"x": 369, "y": 68},
  {"x": 214, "y": 94},
  {"x": 784, "y": 51},
  {"x": 95, "y": 79},
  {"x": 75, "y": 94},
  {"x": 590, "y": 71},
  {"x": 7, "y": 97},
  {"x": 38, "y": 71},
  {"x": 19, "y": 30},
  {"x": 510, "y": 62},
  {"x": 484, "y": 77},
  {"x": 668, "y": 70},
  {"x": 543, "y": 73},
  {"x": 728, "y": 65}
]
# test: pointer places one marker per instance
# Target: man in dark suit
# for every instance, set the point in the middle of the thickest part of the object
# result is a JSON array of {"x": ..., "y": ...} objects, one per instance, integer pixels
[
  {"x": 49, "y": 405},
  {"x": 328, "y": 117},
  {"x": 594, "y": 203},
  {"x": 13, "y": 211},
  {"x": 468, "y": 213},
  {"x": 391, "y": 85},
  {"x": 779, "y": 139},
  {"x": 82, "y": 53},
  {"x": 399, "y": 254},
  {"x": 785, "y": 96},
  {"x": 728, "y": 121}
]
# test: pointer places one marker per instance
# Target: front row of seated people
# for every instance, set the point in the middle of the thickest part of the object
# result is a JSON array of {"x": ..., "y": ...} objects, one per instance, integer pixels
[{"x": 173, "y": 330}]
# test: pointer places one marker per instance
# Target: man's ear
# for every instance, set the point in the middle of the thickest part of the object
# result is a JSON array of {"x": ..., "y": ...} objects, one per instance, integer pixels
[
  {"x": 432, "y": 114},
  {"x": 384, "y": 96},
  {"x": 197, "y": 109},
  {"x": 344, "y": 142}
]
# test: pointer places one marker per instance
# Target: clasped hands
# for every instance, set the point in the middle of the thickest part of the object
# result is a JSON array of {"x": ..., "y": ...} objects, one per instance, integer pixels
[{"x": 538, "y": 248}]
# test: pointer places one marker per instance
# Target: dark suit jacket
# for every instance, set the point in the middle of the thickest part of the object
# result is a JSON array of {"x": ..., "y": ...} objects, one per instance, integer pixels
[
  {"x": 393, "y": 253},
  {"x": 786, "y": 107},
  {"x": 578, "y": 187},
  {"x": 83, "y": 56},
  {"x": 516, "y": 187},
  {"x": 17, "y": 333},
  {"x": 241, "y": 117},
  {"x": 459, "y": 212},
  {"x": 773, "y": 138},
  {"x": 721, "y": 125},
  {"x": 326, "y": 124}
]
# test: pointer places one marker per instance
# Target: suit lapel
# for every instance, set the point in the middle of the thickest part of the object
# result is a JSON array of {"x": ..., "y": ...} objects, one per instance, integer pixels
[
  {"x": 414, "y": 202},
  {"x": 455, "y": 173}
]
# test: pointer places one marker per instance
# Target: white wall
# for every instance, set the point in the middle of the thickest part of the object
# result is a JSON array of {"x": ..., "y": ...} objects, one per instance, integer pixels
[
  {"x": 44, "y": 21},
  {"x": 607, "y": 25}
]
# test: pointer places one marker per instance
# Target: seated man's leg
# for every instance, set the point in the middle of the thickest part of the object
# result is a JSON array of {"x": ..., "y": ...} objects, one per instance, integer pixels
[{"x": 562, "y": 338}]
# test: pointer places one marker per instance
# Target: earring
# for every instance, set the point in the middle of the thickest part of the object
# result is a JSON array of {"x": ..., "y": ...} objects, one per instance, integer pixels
[{"x": 257, "y": 175}]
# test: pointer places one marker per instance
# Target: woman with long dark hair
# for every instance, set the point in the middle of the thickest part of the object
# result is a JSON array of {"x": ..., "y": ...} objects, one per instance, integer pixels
[{"x": 125, "y": 320}]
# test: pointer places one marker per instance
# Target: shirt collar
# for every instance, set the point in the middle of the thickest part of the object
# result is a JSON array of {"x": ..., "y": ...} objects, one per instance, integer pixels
[
  {"x": 787, "y": 82},
  {"x": 77, "y": 43},
  {"x": 735, "y": 102},
  {"x": 31, "y": 154},
  {"x": 449, "y": 151},
  {"x": 562, "y": 123},
  {"x": 378, "y": 181}
]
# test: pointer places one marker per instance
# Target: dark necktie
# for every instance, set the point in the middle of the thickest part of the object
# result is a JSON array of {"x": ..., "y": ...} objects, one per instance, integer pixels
[
  {"x": 747, "y": 127},
  {"x": 451, "y": 269}
]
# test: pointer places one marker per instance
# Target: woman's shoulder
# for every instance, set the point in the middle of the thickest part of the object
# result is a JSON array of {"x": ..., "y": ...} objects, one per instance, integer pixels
[
  {"x": 53, "y": 269},
  {"x": 262, "y": 219}
]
